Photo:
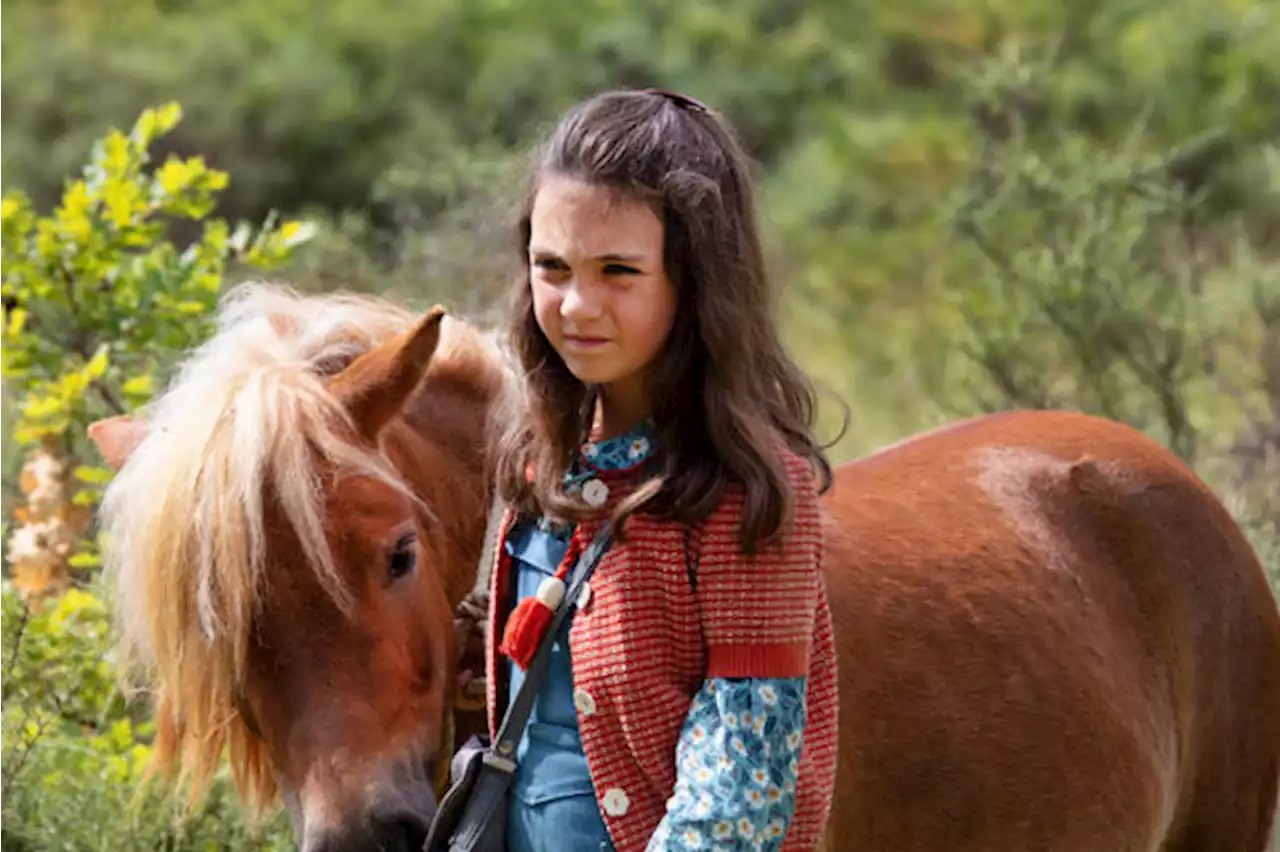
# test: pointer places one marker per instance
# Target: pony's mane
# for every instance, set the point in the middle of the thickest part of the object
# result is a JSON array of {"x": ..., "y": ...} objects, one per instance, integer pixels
[{"x": 184, "y": 518}]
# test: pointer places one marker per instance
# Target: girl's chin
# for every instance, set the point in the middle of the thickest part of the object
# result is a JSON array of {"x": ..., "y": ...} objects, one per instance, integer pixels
[{"x": 591, "y": 371}]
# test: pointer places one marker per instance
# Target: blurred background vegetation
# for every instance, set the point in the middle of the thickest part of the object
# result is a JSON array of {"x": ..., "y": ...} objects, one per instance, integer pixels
[{"x": 973, "y": 205}]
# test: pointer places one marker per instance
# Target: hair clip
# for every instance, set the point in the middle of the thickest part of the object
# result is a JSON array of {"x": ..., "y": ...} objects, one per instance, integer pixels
[{"x": 681, "y": 100}]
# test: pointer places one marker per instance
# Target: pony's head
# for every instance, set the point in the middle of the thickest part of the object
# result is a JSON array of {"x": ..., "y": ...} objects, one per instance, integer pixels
[{"x": 287, "y": 535}]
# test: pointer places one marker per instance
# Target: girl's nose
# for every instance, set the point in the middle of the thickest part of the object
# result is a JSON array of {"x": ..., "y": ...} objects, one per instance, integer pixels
[{"x": 580, "y": 302}]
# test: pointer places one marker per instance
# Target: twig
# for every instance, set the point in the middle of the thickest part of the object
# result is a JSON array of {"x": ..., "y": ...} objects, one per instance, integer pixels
[
  {"x": 109, "y": 398},
  {"x": 17, "y": 644},
  {"x": 28, "y": 747}
]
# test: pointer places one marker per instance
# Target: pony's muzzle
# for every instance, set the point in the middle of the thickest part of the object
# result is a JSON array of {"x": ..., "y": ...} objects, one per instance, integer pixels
[
  {"x": 393, "y": 831},
  {"x": 396, "y": 820}
]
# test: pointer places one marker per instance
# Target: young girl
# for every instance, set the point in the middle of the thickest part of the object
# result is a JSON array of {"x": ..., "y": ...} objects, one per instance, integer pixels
[{"x": 691, "y": 702}]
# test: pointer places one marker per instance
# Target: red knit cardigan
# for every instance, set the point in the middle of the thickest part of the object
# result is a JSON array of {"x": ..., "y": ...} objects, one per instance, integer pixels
[{"x": 643, "y": 642}]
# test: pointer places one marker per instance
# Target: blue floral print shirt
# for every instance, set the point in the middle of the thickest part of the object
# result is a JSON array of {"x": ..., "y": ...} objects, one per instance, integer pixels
[{"x": 737, "y": 760}]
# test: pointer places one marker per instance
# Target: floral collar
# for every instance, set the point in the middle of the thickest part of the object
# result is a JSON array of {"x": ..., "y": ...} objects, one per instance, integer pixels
[
  {"x": 624, "y": 452},
  {"x": 598, "y": 460}
]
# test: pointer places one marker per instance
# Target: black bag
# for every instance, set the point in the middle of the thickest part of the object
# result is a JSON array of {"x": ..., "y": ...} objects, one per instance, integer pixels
[{"x": 472, "y": 816}]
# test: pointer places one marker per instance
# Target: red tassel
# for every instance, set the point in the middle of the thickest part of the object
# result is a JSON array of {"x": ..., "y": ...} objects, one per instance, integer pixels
[
  {"x": 529, "y": 621},
  {"x": 531, "y": 617}
]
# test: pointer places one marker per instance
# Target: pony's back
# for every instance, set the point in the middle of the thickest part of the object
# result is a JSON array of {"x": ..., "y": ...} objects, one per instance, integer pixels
[{"x": 1051, "y": 636}]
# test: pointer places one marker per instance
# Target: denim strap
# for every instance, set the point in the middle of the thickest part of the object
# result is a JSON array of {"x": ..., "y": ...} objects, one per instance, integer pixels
[{"x": 513, "y": 724}]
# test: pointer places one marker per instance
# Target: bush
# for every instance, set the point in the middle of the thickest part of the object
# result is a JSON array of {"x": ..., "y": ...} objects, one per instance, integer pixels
[
  {"x": 99, "y": 303},
  {"x": 75, "y": 754},
  {"x": 1095, "y": 280}
]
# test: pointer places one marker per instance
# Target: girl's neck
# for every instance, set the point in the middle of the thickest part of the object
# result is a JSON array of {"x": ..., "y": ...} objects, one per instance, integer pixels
[{"x": 618, "y": 411}]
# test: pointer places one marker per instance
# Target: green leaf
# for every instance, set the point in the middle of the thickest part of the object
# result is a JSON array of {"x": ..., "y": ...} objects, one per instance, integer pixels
[
  {"x": 97, "y": 365},
  {"x": 139, "y": 385},
  {"x": 153, "y": 123},
  {"x": 85, "y": 560},
  {"x": 10, "y": 206},
  {"x": 293, "y": 233},
  {"x": 15, "y": 321},
  {"x": 94, "y": 475},
  {"x": 85, "y": 498}
]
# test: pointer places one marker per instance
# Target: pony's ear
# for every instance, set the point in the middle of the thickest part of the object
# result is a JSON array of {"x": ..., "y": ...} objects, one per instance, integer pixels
[
  {"x": 375, "y": 386},
  {"x": 117, "y": 438}
]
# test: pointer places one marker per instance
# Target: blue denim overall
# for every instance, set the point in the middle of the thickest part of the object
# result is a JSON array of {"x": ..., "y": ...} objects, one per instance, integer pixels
[{"x": 554, "y": 807}]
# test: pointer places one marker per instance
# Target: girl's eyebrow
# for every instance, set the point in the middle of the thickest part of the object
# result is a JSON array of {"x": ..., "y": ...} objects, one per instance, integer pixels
[{"x": 603, "y": 258}]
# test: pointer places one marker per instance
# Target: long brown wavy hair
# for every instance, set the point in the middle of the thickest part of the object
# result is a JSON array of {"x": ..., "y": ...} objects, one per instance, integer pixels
[{"x": 725, "y": 393}]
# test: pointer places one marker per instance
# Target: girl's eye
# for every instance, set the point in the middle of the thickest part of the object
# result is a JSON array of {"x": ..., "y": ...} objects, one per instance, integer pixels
[
  {"x": 620, "y": 269},
  {"x": 549, "y": 264}
]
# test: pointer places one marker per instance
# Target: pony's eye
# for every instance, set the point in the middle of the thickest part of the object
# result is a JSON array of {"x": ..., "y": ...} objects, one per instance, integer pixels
[{"x": 403, "y": 558}]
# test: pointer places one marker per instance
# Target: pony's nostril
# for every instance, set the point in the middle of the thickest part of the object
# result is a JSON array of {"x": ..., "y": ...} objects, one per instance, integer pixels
[
  {"x": 401, "y": 830},
  {"x": 342, "y": 841}
]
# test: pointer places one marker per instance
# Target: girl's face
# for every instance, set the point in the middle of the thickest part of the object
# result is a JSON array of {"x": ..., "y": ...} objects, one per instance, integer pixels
[{"x": 600, "y": 289}]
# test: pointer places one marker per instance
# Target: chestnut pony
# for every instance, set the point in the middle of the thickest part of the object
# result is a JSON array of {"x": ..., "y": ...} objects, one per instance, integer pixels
[{"x": 1051, "y": 634}]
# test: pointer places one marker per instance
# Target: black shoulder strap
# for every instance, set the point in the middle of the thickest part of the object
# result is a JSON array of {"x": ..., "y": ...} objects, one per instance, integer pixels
[
  {"x": 518, "y": 711},
  {"x": 690, "y": 559}
]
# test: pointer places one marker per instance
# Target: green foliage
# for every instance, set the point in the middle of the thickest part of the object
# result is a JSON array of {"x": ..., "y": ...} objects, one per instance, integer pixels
[
  {"x": 97, "y": 300},
  {"x": 392, "y": 118},
  {"x": 100, "y": 299},
  {"x": 1095, "y": 281},
  {"x": 74, "y": 753},
  {"x": 1089, "y": 295}
]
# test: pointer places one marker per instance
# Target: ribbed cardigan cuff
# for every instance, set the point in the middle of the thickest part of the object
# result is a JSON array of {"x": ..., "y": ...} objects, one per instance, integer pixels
[{"x": 758, "y": 660}]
